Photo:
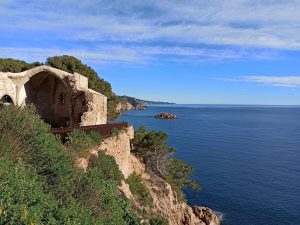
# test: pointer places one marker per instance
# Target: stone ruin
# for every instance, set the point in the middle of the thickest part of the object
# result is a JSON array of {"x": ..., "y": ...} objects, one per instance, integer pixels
[{"x": 62, "y": 99}]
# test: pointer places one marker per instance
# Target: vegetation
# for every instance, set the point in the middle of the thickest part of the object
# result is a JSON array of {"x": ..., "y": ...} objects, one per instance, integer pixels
[
  {"x": 69, "y": 64},
  {"x": 80, "y": 142},
  {"x": 178, "y": 176},
  {"x": 152, "y": 148},
  {"x": 114, "y": 132},
  {"x": 139, "y": 190},
  {"x": 16, "y": 66},
  {"x": 158, "y": 221},
  {"x": 106, "y": 168},
  {"x": 38, "y": 184}
]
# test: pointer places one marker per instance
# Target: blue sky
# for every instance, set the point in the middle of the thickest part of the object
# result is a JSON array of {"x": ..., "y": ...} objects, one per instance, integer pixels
[{"x": 194, "y": 51}]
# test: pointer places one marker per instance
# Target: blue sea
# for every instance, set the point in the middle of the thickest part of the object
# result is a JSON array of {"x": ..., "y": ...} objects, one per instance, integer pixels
[{"x": 246, "y": 157}]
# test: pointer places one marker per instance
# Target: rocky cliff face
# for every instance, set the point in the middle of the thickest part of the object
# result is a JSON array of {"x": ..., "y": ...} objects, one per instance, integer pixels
[
  {"x": 165, "y": 200},
  {"x": 125, "y": 105}
]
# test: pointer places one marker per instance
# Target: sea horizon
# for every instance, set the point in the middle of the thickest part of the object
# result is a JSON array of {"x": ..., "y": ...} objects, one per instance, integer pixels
[
  {"x": 213, "y": 104},
  {"x": 246, "y": 158}
]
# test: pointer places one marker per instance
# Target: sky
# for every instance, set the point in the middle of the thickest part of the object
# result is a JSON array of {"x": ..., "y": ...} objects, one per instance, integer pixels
[{"x": 183, "y": 51}]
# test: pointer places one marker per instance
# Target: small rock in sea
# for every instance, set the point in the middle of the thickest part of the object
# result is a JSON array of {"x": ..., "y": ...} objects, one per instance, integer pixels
[{"x": 165, "y": 115}]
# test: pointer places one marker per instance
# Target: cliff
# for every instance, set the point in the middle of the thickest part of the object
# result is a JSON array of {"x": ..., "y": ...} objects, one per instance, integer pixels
[
  {"x": 131, "y": 103},
  {"x": 126, "y": 105},
  {"x": 164, "y": 200}
]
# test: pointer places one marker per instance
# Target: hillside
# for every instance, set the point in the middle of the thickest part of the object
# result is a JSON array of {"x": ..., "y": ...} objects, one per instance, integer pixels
[
  {"x": 136, "y": 101},
  {"x": 131, "y": 103}
]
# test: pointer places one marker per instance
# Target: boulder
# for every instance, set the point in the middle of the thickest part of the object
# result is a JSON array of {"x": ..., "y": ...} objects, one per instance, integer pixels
[{"x": 165, "y": 115}]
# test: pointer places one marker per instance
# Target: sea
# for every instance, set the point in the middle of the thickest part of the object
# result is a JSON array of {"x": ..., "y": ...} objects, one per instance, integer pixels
[{"x": 247, "y": 158}]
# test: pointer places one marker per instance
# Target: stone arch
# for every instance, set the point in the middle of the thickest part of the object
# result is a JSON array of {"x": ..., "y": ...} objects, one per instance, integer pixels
[{"x": 45, "y": 89}]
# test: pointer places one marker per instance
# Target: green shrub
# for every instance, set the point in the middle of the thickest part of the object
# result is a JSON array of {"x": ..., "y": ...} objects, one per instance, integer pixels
[
  {"x": 38, "y": 183},
  {"x": 103, "y": 198},
  {"x": 24, "y": 135},
  {"x": 22, "y": 199},
  {"x": 158, "y": 221},
  {"x": 114, "y": 132},
  {"x": 106, "y": 167},
  {"x": 80, "y": 142},
  {"x": 139, "y": 190}
]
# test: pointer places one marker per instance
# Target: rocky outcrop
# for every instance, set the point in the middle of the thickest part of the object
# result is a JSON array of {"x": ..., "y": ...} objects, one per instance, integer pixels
[
  {"x": 125, "y": 106},
  {"x": 165, "y": 200},
  {"x": 165, "y": 115},
  {"x": 206, "y": 215}
]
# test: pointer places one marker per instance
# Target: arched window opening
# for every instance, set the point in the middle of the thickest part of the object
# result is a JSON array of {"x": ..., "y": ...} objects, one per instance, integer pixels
[{"x": 6, "y": 100}]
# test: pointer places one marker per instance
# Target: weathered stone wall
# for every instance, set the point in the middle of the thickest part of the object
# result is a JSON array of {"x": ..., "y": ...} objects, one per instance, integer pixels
[
  {"x": 7, "y": 87},
  {"x": 96, "y": 112},
  {"x": 62, "y": 99}
]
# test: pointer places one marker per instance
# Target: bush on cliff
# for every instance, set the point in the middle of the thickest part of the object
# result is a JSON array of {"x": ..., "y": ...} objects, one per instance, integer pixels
[
  {"x": 152, "y": 148},
  {"x": 80, "y": 142},
  {"x": 106, "y": 167},
  {"x": 39, "y": 185},
  {"x": 139, "y": 190},
  {"x": 24, "y": 135},
  {"x": 99, "y": 192}
]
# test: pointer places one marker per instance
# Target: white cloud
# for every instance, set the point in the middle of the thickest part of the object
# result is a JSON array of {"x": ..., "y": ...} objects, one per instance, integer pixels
[
  {"x": 279, "y": 81},
  {"x": 245, "y": 24},
  {"x": 98, "y": 55},
  {"x": 283, "y": 81}
]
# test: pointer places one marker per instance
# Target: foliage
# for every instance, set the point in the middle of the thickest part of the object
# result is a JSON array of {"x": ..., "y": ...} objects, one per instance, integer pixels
[
  {"x": 178, "y": 176},
  {"x": 72, "y": 64},
  {"x": 106, "y": 167},
  {"x": 24, "y": 135},
  {"x": 39, "y": 185},
  {"x": 24, "y": 201},
  {"x": 16, "y": 66},
  {"x": 81, "y": 142},
  {"x": 152, "y": 147},
  {"x": 100, "y": 194},
  {"x": 139, "y": 190},
  {"x": 158, "y": 221},
  {"x": 22, "y": 198},
  {"x": 114, "y": 132}
]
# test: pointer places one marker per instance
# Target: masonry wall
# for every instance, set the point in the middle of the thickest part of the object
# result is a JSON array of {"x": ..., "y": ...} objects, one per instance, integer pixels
[
  {"x": 7, "y": 87},
  {"x": 96, "y": 109},
  {"x": 62, "y": 99}
]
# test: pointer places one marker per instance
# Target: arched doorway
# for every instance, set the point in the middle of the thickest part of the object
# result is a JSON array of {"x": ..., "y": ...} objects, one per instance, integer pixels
[
  {"x": 6, "y": 100},
  {"x": 51, "y": 98}
]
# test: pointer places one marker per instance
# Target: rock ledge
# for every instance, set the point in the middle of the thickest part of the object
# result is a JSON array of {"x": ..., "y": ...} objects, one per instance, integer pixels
[{"x": 165, "y": 115}]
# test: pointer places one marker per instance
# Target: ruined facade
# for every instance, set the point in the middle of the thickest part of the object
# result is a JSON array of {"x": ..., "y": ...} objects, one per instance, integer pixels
[{"x": 62, "y": 99}]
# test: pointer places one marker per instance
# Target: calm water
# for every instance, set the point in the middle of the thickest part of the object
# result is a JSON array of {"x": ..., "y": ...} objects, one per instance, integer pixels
[{"x": 247, "y": 158}]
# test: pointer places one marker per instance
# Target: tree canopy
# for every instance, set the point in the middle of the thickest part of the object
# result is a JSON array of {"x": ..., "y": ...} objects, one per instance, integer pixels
[
  {"x": 152, "y": 148},
  {"x": 16, "y": 66}
]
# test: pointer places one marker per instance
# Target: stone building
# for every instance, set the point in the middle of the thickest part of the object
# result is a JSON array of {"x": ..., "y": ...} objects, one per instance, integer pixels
[{"x": 62, "y": 99}]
